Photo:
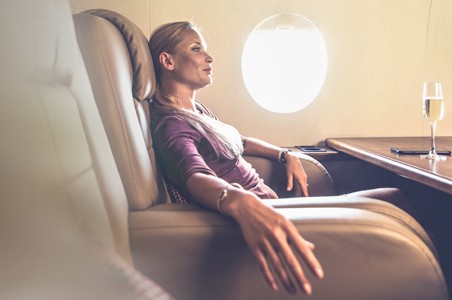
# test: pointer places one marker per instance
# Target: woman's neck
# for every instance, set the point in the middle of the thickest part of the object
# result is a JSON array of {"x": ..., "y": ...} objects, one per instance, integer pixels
[
  {"x": 185, "y": 97},
  {"x": 187, "y": 103}
]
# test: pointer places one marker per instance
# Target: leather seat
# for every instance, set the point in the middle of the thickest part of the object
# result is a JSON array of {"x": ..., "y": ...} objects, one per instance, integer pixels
[
  {"x": 63, "y": 209},
  {"x": 185, "y": 247},
  {"x": 70, "y": 229}
]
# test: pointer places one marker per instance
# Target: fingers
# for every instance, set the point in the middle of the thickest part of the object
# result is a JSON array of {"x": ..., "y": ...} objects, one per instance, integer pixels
[
  {"x": 295, "y": 268},
  {"x": 309, "y": 245},
  {"x": 286, "y": 266},
  {"x": 275, "y": 242},
  {"x": 294, "y": 170},
  {"x": 261, "y": 259},
  {"x": 304, "y": 189},
  {"x": 276, "y": 258},
  {"x": 289, "y": 181},
  {"x": 295, "y": 243},
  {"x": 302, "y": 181},
  {"x": 305, "y": 249}
]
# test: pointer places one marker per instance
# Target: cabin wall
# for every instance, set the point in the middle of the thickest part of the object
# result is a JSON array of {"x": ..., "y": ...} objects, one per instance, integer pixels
[{"x": 376, "y": 51}]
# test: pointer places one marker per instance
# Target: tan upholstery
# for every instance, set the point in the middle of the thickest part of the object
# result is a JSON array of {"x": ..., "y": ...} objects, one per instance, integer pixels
[
  {"x": 63, "y": 209},
  {"x": 370, "y": 249},
  {"x": 198, "y": 255},
  {"x": 132, "y": 151},
  {"x": 62, "y": 196},
  {"x": 274, "y": 174},
  {"x": 55, "y": 124}
]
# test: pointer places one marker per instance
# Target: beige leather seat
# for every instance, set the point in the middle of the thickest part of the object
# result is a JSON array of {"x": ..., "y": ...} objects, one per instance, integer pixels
[
  {"x": 197, "y": 254},
  {"x": 63, "y": 209},
  {"x": 65, "y": 223}
]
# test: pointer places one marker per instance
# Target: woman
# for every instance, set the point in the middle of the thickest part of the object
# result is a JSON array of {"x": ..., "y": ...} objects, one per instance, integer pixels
[{"x": 202, "y": 158}]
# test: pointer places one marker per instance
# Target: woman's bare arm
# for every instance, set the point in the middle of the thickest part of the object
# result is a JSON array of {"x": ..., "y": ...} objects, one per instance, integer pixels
[
  {"x": 294, "y": 168},
  {"x": 256, "y": 147},
  {"x": 272, "y": 238}
]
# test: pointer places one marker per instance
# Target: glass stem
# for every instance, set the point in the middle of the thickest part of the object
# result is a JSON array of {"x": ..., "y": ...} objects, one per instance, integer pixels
[{"x": 433, "y": 129}]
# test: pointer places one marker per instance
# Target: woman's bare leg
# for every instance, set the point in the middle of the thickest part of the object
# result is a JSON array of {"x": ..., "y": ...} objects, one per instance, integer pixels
[{"x": 391, "y": 195}]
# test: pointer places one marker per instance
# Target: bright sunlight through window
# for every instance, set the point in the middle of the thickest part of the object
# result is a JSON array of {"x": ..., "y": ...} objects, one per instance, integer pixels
[{"x": 284, "y": 63}]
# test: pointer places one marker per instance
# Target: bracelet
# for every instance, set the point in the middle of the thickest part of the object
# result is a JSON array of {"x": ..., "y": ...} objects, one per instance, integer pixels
[
  {"x": 282, "y": 155},
  {"x": 224, "y": 194}
]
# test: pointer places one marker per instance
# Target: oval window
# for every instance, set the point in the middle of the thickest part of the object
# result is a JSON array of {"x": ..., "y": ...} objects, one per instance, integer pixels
[{"x": 284, "y": 63}]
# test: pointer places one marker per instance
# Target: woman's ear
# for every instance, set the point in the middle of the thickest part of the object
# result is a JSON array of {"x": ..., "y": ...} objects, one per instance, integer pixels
[{"x": 166, "y": 60}]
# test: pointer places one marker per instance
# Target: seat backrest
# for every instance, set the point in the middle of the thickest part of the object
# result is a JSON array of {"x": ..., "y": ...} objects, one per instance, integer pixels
[
  {"x": 120, "y": 68},
  {"x": 53, "y": 140}
]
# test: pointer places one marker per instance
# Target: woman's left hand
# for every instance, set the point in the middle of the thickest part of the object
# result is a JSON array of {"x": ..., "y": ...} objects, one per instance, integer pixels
[{"x": 294, "y": 170}]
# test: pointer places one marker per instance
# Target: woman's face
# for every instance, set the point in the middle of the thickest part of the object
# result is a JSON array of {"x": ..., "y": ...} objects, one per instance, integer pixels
[{"x": 191, "y": 62}]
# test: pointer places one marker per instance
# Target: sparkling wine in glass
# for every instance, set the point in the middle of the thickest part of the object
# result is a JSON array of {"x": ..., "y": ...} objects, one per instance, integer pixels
[{"x": 433, "y": 109}]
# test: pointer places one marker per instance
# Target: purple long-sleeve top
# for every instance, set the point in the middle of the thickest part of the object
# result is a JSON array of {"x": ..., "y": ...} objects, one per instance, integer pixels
[{"x": 182, "y": 151}]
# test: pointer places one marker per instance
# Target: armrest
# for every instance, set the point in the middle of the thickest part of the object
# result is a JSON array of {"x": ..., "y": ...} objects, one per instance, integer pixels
[
  {"x": 374, "y": 205},
  {"x": 274, "y": 174},
  {"x": 199, "y": 254},
  {"x": 321, "y": 184}
]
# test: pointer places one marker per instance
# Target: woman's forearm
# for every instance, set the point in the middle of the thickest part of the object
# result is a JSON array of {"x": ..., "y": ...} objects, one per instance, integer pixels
[
  {"x": 207, "y": 190},
  {"x": 256, "y": 147},
  {"x": 294, "y": 169},
  {"x": 273, "y": 239}
]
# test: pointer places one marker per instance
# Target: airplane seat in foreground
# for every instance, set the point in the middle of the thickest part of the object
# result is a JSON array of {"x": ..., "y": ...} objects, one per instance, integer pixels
[
  {"x": 369, "y": 249},
  {"x": 63, "y": 209}
]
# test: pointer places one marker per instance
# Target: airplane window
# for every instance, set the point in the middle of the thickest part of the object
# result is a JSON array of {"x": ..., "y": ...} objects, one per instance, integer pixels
[{"x": 284, "y": 63}]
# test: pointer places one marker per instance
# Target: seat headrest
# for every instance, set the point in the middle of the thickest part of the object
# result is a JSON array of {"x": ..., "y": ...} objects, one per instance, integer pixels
[{"x": 142, "y": 67}]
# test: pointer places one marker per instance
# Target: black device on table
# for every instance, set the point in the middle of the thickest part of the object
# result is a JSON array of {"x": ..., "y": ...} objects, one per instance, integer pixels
[
  {"x": 311, "y": 148},
  {"x": 409, "y": 151}
]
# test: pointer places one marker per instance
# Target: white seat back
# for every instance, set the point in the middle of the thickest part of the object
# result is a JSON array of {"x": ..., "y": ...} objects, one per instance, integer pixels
[{"x": 53, "y": 140}]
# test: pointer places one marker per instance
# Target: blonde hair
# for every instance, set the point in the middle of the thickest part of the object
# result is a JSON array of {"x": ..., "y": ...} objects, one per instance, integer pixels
[{"x": 224, "y": 139}]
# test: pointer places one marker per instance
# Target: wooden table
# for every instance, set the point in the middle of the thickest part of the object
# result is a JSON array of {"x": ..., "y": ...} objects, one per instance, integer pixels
[{"x": 377, "y": 151}]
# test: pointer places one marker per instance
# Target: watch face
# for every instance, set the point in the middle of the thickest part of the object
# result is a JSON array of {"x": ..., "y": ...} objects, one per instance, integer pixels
[{"x": 282, "y": 157}]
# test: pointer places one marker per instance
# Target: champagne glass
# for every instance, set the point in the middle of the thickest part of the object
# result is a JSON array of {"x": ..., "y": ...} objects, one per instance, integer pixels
[{"x": 433, "y": 109}]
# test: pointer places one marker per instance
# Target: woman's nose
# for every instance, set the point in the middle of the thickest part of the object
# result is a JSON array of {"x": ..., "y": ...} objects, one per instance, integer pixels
[{"x": 209, "y": 58}]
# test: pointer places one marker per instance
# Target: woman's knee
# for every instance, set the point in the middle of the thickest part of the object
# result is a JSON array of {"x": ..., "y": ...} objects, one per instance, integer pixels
[{"x": 392, "y": 195}]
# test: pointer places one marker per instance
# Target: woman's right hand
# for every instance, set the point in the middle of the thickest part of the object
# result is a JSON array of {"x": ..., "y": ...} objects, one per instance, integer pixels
[{"x": 274, "y": 240}]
